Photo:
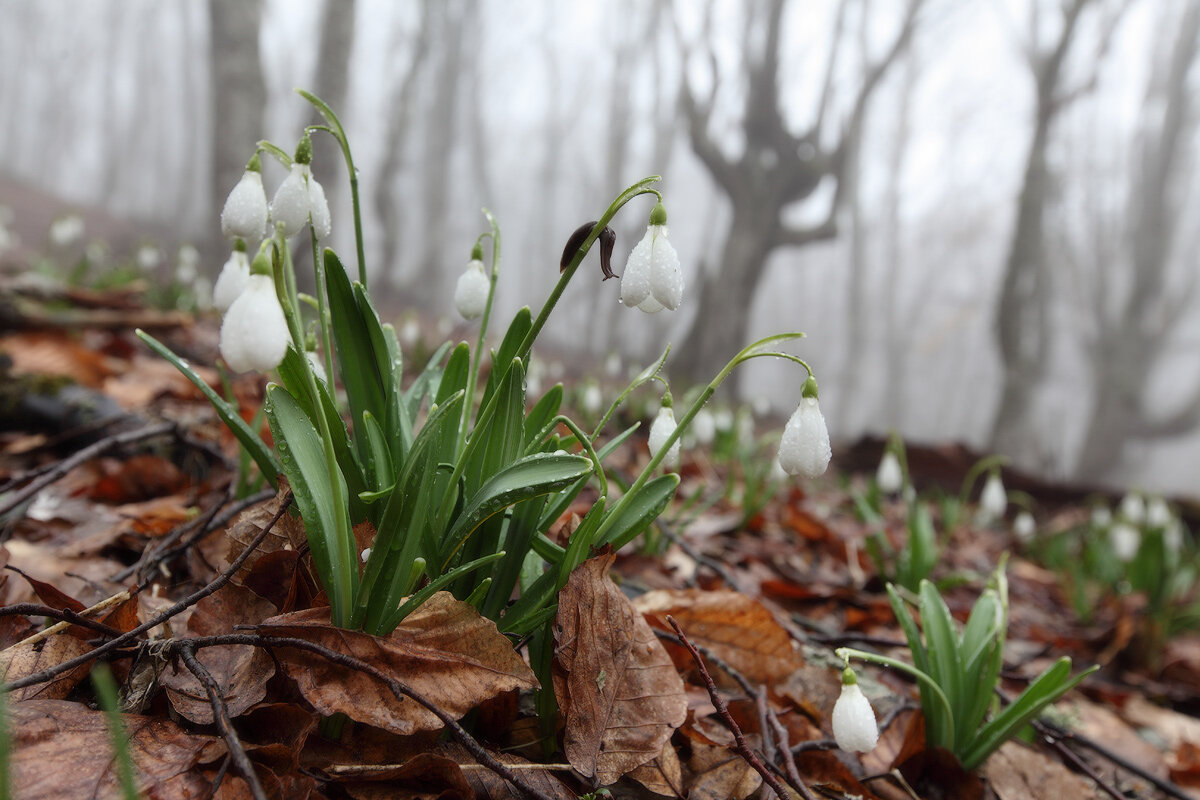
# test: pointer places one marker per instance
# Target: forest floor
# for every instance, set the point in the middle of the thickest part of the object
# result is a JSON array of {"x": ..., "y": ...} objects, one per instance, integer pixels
[{"x": 118, "y": 486}]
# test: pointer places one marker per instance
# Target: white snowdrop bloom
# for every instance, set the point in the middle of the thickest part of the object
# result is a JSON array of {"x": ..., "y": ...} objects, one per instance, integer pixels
[
  {"x": 9, "y": 241},
  {"x": 854, "y": 725},
  {"x": 471, "y": 292},
  {"x": 254, "y": 334},
  {"x": 148, "y": 257},
  {"x": 1024, "y": 527},
  {"x": 1158, "y": 515},
  {"x": 1124, "y": 539},
  {"x": 652, "y": 279},
  {"x": 660, "y": 430},
  {"x": 298, "y": 199},
  {"x": 318, "y": 208},
  {"x": 704, "y": 426},
  {"x": 1133, "y": 508},
  {"x": 232, "y": 280},
  {"x": 366, "y": 553},
  {"x": 804, "y": 449},
  {"x": 761, "y": 405},
  {"x": 723, "y": 419},
  {"x": 993, "y": 499},
  {"x": 66, "y": 231},
  {"x": 889, "y": 477},
  {"x": 244, "y": 215},
  {"x": 410, "y": 332},
  {"x": 1173, "y": 536},
  {"x": 1101, "y": 517},
  {"x": 318, "y": 368},
  {"x": 778, "y": 473},
  {"x": 612, "y": 365},
  {"x": 593, "y": 399}
]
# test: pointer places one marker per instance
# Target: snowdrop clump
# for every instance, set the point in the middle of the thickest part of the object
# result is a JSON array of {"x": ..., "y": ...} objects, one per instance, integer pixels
[{"x": 854, "y": 727}]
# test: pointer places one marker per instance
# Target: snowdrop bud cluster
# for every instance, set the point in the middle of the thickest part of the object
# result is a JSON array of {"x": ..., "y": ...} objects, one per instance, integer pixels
[
  {"x": 471, "y": 292},
  {"x": 1124, "y": 539},
  {"x": 804, "y": 449},
  {"x": 661, "y": 430},
  {"x": 1133, "y": 508},
  {"x": 300, "y": 198},
  {"x": 244, "y": 215},
  {"x": 993, "y": 499},
  {"x": 254, "y": 333},
  {"x": 889, "y": 477},
  {"x": 854, "y": 726},
  {"x": 1024, "y": 527},
  {"x": 653, "y": 280},
  {"x": 233, "y": 278}
]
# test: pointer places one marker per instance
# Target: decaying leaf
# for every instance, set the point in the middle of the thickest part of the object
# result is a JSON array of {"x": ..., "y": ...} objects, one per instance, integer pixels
[
  {"x": 444, "y": 650},
  {"x": 20, "y": 661},
  {"x": 63, "y": 749},
  {"x": 286, "y": 534},
  {"x": 734, "y": 626},
  {"x": 490, "y": 786},
  {"x": 663, "y": 775},
  {"x": 1016, "y": 772},
  {"x": 618, "y": 690},
  {"x": 720, "y": 774}
]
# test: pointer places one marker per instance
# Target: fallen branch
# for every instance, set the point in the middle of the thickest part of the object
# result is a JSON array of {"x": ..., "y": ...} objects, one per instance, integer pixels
[{"x": 66, "y": 615}]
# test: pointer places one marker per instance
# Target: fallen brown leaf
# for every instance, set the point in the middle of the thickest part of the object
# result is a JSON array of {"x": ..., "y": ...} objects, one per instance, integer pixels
[
  {"x": 663, "y": 775},
  {"x": 618, "y": 690},
  {"x": 444, "y": 650},
  {"x": 490, "y": 786},
  {"x": 1016, "y": 772},
  {"x": 22, "y": 660},
  {"x": 720, "y": 774}
]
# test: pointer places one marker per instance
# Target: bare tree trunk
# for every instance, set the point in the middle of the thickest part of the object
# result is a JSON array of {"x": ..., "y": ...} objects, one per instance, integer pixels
[{"x": 333, "y": 85}]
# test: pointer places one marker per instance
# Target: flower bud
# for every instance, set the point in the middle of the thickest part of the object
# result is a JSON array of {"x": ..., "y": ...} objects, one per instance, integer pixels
[
  {"x": 889, "y": 477},
  {"x": 1124, "y": 539},
  {"x": 254, "y": 334},
  {"x": 1024, "y": 527},
  {"x": 804, "y": 449},
  {"x": 471, "y": 292},
  {"x": 1158, "y": 515},
  {"x": 854, "y": 726},
  {"x": 245, "y": 212},
  {"x": 232, "y": 280},
  {"x": 661, "y": 430},
  {"x": 704, "y": 426},
  {"x": 1133, "y": 508},
  {"x": 993, "y": 499}
]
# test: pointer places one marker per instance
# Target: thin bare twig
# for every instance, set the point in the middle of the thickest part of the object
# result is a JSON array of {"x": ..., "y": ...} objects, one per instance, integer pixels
[
  {"x": 63, "y": 614},
  {"x": 221, "y": 719},
  {"x": 158, "y": 619},
  {"x": 1052, "y": 730},
  {"x": 743, "y": 749},
  {"x": 1073, "y": 758},
  {"x": 789, "y": 761}
]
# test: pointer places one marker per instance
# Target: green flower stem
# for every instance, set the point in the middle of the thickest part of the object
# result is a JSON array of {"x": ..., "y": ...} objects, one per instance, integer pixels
[
  {"x": 106, "y": 693},
  {"x": 477, "y": 354},
  {"x": 587, "y": 446},
  {"x": 755, "y": 350},
  {"x": 339, "y": 133},
  {"x": 977, "y": 469},
  {"x": 323, "y": 313},
  {"x": 341, "y": 548},
  {"x": 847, "y": 653},
  {"x": 276, "y": 152}
]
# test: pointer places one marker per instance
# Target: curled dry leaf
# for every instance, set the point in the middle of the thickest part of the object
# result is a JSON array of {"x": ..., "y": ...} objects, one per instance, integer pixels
[
  {"x": 619, "y": 692},
  {"x": 242, "y": 671},
  {"x": 735, "y": 627},
  {"x": 23, "y": 660},
  {"x": 287, "y": 534},
  {"x": 444, "y": 650},
  {"x": 62, "y": 749}
]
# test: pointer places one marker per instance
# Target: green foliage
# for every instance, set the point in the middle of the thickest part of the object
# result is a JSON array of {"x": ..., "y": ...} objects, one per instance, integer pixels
[
  {"x": 915, "y": 559},
  {"x": 106, "y": 693}
]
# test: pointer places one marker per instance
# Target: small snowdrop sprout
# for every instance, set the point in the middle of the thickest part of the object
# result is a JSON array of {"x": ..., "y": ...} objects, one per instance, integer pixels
[
  {"x": 471, "y": 292},
  {"x": 1133, "y": 508},
  {"x": 993, "y": 499},
  {"x": 889, "y": 477},
  {"x": 300, "y": 198},
  {"x": 1024, "y": 527},
  {"x": 66, "y": 231},
  {"x": 854, "y": 727},
  {"x": 804, "y": 449},
  {"x": 661, "y": 430},
  {"x": 593, "y": 399},
  {"x": 1158, "y": 514},
  {"x": 244, "y": 215},
  {"x": 1124, "y": 539},
  {"x": 652, "y": 279},
  {"x": 1101, "y": 517},
  {"x": 254, "y": 334},
  {"x": 233, "y": 278},
  {"x": 704, "y": 427}
]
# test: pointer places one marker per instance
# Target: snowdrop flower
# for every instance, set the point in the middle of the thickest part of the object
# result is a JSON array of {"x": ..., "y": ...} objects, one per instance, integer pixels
[
  {"x": 300, "y": 198},
  {"x": 854, "y": 726},
  {"x": 1133, "y": 508},
  {"x": 186, "y": 262},
  {"x": 254, "y": 334},
  {"x": 889, "y": 477},
  {"x": 704, "y": 427},
  {"x": 804, "y": 449},
  {"x": 366, "y": 553},
  {"x": 66, "y": 231},
  {"x": 661, "y": 430},
  {"x": 244, "y": 215},
  {"x": 1173, "y": 536},
  {"x": 233, "y": 278},
  {"x": 148, "y": 257},
  {"x": 1024, "y": 527},
  {"x": 652, "y": 279},
  {"x": 612, "y": 365},
  {"x": 993, "y": 499},
  {"x": 593, "y": 399},
  {"x": 1158, "y": 515},
  {"x": 471, "y": 292},
  {"x": 410, "y": 332},
  {"x": 723, "y": 420},
  {"x": 1101, "y": 517},
  {"x": 1124, "y": 539}
]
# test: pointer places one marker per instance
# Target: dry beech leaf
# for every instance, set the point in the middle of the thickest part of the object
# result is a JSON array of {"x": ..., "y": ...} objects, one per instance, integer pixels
[
  {"x": 619, "y": 692},
  {"x": 287, "y": 534},
  {"x": 663, "y": 775},
  {"x": 720, "y": 774},
  {"x": 490, "y": 786},
  {"x": 1016, "y": 772},
  {"x": 21, "y": 661},
  {"x": 444, "y": 651},
  {"x": 62, "y": 750},
  {"x": 735, "y": 627},
  {"x": 242, "y": 671}
]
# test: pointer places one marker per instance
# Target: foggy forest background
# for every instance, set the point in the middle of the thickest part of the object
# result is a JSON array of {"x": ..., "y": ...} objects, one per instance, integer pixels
[{"x": 983, "y": 213}]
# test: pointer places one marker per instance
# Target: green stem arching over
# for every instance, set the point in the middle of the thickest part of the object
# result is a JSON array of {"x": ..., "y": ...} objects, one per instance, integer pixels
[
  {"x": 847, "y": 653},
  {"x": 477, "y": 354}
]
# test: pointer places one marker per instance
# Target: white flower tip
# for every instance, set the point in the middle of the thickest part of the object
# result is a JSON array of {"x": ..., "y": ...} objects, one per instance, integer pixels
[
  {"x": 804, "y": 449},
  {"x": 245, "y": 211},
  {"x": 232, "y": 280},
  {"x": 854, "y": 726},
  {"x": 471, "y": 291},
  {"x": 889, "y": 477},
  {"x": 254, "y": 333}
]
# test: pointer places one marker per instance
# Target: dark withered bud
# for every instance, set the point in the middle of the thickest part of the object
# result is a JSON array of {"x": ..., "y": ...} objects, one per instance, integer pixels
[{"x": 608, "y": 239}]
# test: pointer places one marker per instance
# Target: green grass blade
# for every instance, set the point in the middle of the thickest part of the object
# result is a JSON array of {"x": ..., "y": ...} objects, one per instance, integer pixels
[{"x": 639, "y": 511}]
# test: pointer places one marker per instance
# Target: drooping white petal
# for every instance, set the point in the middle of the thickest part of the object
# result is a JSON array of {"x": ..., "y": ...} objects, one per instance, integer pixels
[
  {"x": 854, "y": 726},
  {"x": 804, "y": 449},
  {"x": 471, "y": 291},
  {"x": 704, "y": 426},
  {"x": 1158, "y": 515},
  {"x": 245, "y": 211},
  {"x": 232, "y": 280},
  {"x": 1133, "y": 508},
  {"x": 889, "y": 477},
  {"x": 254, "y": 334},
  {"x": 290, "y": 205},
  {"x": 660, "y": 430},
  {"x": 1125, "y": 540},
  {"x": 666, "y": 279},
  {"x": 1024, "y": 526},
  {"x": 635, "y": 281},
  {"x": 318, "y": 208},
  {"x": 993, "y": 499}
]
